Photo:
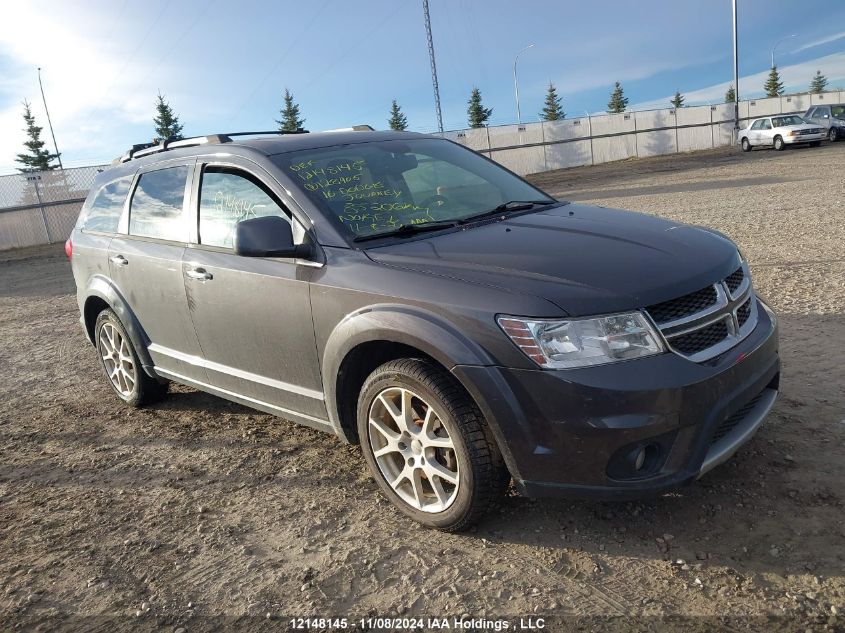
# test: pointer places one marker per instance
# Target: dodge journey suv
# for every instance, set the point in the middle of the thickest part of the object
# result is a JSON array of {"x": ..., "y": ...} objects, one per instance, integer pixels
[{"x": 414, "y": 297}]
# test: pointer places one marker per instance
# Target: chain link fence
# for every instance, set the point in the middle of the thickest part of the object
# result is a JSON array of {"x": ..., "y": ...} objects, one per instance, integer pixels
[{"x": 41, "y": 207}]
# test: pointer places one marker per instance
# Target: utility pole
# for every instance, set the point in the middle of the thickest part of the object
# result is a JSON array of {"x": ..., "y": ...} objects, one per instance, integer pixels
[
  {"x": 516, "y": 84},
  {"x": 433, "y": 66},
  {"x": 736, "y": 74},
  {"x": 783, "y": 39},
  {"x": 43, "y": 98}
]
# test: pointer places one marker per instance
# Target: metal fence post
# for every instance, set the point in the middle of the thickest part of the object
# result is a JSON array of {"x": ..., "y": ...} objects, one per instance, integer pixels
[{"x": 35, "y": 178}]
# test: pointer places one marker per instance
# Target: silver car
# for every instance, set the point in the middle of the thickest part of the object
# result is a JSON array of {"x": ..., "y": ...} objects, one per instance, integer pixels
[
  {"x": 830, "y": 117},
  {"x": 780, "y": 131}
]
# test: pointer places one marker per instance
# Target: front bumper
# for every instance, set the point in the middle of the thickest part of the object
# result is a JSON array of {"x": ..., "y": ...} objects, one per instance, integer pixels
[
  {"x": 804, "y": 138},
  {"x": 570, "y": 432}
]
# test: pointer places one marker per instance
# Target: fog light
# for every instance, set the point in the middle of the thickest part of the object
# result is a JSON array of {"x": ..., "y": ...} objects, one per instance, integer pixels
[{"x": 639, "y": 460}]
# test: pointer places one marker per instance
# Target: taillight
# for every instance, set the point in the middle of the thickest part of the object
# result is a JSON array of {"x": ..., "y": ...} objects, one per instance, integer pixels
[{"x": 69, "y": 248}]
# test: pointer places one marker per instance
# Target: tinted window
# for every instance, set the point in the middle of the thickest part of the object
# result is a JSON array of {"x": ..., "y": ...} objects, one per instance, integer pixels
[
  {"x": 838, "y": 111},
  {"x": 822, "y": 111},
  {"x": 228, "y": 196},
  {"x": 378, "y": 186},
  {"x": 156, "y": 209},
  {"x": 104, "y": 212},
  {"x": 811, "y": 113}
]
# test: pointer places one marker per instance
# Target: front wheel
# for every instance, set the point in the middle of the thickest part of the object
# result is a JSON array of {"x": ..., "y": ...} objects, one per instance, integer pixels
[
  {"x": 746, "y": 146},
  {"x": 833, "y": 135},
  {"x": 428, "y": 446},
  {"x": 779, "y": 144}
]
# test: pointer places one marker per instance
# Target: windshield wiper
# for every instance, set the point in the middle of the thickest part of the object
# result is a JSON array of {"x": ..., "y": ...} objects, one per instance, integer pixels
[
  {"x": 511, "y": 205},
  {"x": 408, "y": 229}
]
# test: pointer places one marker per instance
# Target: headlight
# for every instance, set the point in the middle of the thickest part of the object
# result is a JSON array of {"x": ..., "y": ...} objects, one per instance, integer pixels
[
  {"x": 566, "y": 343},
  {"x": 791, "y": 133}
]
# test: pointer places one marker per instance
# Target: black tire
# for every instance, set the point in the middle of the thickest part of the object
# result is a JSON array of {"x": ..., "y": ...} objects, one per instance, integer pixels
[
  {"x": 779, "y": 144},
  {"x": 815, "y": 143},
  {"x": 145, "y": 389},
  {"x": 833, "y": 134},
  {"x": 746, "y": 146},
  {"x": 482, "y": 475}
]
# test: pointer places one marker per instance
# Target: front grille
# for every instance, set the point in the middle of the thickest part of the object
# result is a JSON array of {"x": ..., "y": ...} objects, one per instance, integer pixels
[
  {"x": 699, "y": 340},
  {"x": 734, "y": 280},
  {"x": 743, "y": 313},
  {"x": 729, "y": 424},
  {"x": 683, "y": 306},
  {"x": 705, "y": 323}
]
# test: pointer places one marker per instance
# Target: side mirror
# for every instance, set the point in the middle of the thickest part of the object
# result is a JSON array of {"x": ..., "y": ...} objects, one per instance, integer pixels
[{"x": 269, "y": 236}]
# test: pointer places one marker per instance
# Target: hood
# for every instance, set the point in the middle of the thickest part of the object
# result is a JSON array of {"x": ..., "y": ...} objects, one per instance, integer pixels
[
  {"x": 800, "y": 126},
  {"x": 586, "y": 260}
]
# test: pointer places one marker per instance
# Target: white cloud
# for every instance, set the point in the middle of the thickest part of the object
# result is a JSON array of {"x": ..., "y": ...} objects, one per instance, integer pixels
[
  {"x": 85, "y": 79},
  {"x": 819, "y": 42},
  {"x": 796, "y": 78}
]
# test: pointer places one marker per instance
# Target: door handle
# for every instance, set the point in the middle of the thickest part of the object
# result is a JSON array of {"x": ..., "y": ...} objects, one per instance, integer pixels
[
  {"x": 119, "y": 260},
  {"x": 199, "y": 273}
]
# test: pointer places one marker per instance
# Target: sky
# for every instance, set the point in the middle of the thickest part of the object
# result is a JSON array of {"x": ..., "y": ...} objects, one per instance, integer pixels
[{"x": 224, "y": 66}]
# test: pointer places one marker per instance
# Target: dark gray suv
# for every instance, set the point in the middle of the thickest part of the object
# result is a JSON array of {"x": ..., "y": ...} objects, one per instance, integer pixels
[{"x": 412, "y": 296}]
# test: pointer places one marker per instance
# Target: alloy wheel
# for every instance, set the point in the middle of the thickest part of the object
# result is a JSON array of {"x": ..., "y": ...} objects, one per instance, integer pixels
[
  {"x": 413, "y": 449},
  {"x": 117, "y": 359}
]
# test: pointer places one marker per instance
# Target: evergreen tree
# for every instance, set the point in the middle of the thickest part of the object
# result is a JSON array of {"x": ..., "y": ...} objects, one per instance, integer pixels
[
  {"x": 819, "y": 83},
  {"x": 552, "y": 109},
  {"x": 773, "y": 85},
  {"x": 38, "y": 158},
  {"x": 730, "y": 94},
  {"x": 290, "y": 115},
  {"x": 397, "y": 120},
  {"x": 167, "y": 124},
  {"x": 618, "y": 101},
  {"x": 477, "y": 114},
  {"x": 678, "y": 100}
]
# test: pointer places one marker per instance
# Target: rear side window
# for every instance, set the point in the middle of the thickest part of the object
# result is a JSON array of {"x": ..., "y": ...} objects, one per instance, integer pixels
[
  {"x": 838, "y": 111},
  {"x": 107, "y": 206},
  {"x": 156, "y": 208},
  {"x": 228, "y": 196}
]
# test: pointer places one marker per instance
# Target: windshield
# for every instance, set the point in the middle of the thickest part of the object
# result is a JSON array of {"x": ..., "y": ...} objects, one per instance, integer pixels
[
  {"x": 780, "y": 121},
  {"x": 378, "y": 187}
]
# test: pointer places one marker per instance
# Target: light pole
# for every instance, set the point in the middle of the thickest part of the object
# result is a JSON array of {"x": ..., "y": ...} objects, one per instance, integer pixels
[
  {"x": 43, "y": 98},
  {"x": 783, "y": 39},
  {"x": 516, "y": 84}
]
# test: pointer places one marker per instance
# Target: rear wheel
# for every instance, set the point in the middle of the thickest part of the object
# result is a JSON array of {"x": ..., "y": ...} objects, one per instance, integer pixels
[
  {"x": 120, "y": 362},
  {"x": 779, "y": 144},
  {"x": 833, "y": 134},
  {"x": 746, "y": 146},
  {"x": 428, "y": 446}
]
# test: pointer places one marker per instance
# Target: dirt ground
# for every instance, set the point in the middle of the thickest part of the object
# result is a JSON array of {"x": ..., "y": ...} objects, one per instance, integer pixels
[{"x": 200, "y": 514}]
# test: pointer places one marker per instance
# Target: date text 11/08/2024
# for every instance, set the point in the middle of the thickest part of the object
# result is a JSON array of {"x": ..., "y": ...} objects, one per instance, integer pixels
[{"x": 416, "y": 624}]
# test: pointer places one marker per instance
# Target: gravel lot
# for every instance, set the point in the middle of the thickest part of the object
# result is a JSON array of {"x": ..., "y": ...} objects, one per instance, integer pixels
[{"x": 201, "y": 514}]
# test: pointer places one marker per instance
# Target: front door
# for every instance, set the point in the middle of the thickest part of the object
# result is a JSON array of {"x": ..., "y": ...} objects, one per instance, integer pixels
[
  {"x": 252, "y": 315},
  {"x": 145, "y": 260}
]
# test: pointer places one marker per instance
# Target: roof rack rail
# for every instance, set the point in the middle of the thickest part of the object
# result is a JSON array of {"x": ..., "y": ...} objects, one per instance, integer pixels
[{"x": 145, "y": 149}]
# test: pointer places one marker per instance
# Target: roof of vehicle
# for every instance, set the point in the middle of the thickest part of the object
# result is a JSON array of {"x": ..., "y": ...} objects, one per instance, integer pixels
[{"x": 269, "y": 144}]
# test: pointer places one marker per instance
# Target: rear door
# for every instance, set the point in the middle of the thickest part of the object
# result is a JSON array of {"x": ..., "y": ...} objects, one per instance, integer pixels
[
  {"x": 767, "y": 135},
  {"x": 252, "y": 315},
  {"x": 145, "y": 260}
]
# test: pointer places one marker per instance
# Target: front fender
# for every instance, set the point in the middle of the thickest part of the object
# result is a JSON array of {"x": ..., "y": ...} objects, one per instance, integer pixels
[
  {"x": 403, "y": 324},
  {"x": 103, "y": 288}
]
